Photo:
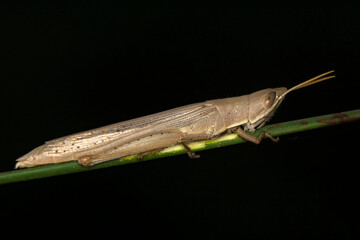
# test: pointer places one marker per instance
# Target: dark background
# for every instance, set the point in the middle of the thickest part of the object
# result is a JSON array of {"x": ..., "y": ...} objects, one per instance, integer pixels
[{"x": 66, "y": 68}]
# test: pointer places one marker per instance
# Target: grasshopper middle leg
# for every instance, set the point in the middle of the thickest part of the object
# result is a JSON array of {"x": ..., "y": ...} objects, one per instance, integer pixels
[{"x": 189, "y": 151}]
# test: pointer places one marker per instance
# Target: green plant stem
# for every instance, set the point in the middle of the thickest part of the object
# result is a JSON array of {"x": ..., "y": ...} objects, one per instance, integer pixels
[{"x": 228, "y": 139}]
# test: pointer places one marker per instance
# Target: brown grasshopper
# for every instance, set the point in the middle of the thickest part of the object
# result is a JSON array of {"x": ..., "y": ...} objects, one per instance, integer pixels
[{"x": 180, "y": 125}]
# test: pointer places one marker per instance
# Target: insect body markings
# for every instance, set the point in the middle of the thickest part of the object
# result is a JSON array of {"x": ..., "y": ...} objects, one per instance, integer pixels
[{"x": 185, "y": 124}]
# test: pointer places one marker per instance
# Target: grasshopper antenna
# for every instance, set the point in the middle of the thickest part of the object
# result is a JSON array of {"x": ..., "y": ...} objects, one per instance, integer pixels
[{"x": 317, "y": 79}]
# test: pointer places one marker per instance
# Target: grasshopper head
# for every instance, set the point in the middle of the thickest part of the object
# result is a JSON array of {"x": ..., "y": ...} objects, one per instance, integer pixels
[{"x": 262, "y": 104}]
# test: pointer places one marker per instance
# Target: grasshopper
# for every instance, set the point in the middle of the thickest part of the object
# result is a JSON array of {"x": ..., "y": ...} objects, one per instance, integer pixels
[{"x": 199, "y": 121}]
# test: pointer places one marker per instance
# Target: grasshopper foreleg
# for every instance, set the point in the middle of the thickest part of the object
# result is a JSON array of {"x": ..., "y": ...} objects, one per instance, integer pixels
[{"x": 253, "y": 139}]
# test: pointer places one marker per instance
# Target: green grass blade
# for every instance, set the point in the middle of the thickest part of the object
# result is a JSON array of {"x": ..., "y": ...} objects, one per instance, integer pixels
[{"x": 229, "y": 139}]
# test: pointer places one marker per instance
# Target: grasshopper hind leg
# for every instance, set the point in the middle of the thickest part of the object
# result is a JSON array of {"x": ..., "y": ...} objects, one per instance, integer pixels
[
  {"x": 139, "y": 146},
  {"x": 86, "y": 161}
]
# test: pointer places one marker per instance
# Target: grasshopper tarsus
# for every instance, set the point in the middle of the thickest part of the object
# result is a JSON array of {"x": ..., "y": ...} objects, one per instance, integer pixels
[{"x": 272, "y": 138}]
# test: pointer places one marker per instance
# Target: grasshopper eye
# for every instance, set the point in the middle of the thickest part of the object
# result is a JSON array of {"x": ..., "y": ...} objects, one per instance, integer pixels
[{"x": 269, "y": 99}]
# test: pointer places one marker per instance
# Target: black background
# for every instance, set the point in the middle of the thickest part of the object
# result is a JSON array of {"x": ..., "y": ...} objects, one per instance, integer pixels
[{"x": 66, "y": 68}]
